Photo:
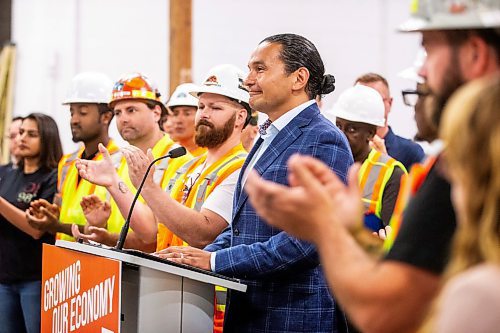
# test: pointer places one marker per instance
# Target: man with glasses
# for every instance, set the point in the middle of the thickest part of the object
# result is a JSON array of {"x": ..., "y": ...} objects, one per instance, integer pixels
[
  {"x": 403, "y": 150},
  {"x": 393, "y": 294},
  {"x": 420, "y": 100}
]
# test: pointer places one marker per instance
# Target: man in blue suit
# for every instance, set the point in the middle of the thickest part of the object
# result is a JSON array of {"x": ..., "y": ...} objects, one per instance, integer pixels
[{"x": 287, "y": 290}]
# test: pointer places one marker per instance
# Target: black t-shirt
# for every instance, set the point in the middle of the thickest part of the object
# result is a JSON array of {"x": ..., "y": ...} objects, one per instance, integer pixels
[
  {"x": 390, "y": 195},
  {"x": 4, "y": 169},
  {"x": 427, "y": 227},
  {"x": 20, "y": 254}
]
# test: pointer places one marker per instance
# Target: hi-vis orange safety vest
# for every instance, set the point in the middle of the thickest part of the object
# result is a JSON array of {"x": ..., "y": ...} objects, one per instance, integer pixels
[
  {"x": 198, "y": 151},
  {"x": 71, "y": 191},
  {"x": 409, "y": 186},
  {"x": 208, "y": 180},
  {"x": 164, "y": 170},
  {"x": 374, "y": 175}
]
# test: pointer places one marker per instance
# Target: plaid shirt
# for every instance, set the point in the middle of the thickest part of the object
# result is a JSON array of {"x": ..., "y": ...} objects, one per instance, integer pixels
[{"x": 287, "y": 290}]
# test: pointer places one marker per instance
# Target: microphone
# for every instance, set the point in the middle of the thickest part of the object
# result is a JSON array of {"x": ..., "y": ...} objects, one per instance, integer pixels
[{"x": 174, "y": 153}]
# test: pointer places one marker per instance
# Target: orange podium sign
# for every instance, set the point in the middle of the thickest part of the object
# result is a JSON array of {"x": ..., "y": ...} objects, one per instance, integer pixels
[{"x": 80, "y": 292}]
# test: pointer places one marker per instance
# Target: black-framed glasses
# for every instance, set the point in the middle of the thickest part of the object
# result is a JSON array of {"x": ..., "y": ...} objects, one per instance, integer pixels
[{"x": 411, "y": 96}]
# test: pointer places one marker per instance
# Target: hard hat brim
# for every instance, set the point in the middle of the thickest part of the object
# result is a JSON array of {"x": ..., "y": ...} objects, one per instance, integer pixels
[
  {"x": 339, "y": 113},
  {"x": 220, "y": 91},
  {"x": 467, "y": 21}
]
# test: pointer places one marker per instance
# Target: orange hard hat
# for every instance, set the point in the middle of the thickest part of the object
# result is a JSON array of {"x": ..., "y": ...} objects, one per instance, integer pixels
[{"x": 136, "y": 86}]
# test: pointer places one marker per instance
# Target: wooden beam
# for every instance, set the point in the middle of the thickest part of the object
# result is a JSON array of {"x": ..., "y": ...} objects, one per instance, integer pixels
[
  {"x": 5, "y": 21},
  {"x": 180, "y": 42}
]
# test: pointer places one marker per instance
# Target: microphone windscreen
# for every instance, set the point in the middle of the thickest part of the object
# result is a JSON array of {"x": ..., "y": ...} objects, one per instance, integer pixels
[{"x": 177, "y": 152}]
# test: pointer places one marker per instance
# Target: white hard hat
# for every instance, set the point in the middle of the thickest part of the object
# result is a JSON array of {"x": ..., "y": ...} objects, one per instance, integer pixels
[
  {"x": 452, "y": 15},
  {"x": 411, "y": 73},
  {"x": 360, "y": 104},
  {"x": 225, "y": 80},
  {"x": 182, "y": 97},
  {"x": 89, "y": 87}
]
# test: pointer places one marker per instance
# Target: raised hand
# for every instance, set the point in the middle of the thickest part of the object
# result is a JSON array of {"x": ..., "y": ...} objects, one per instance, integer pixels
[
  {"x": 138, "y": 163},
  {"x": 378, "y": 144},
  {"x": 96, "y": 211},
  {"x": 43, "y": 216},
  {"x": 100, "y": 172}
]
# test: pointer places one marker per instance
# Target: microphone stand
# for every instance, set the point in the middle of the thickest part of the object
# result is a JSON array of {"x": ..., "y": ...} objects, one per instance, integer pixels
[{"x": 174, "y": 153}]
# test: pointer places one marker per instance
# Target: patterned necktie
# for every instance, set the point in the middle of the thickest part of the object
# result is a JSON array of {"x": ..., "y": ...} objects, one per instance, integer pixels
[{"x": 263, "y": 128}]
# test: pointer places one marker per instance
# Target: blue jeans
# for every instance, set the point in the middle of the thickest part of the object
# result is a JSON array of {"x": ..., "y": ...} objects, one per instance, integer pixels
[{"x": 20, "y": 307}]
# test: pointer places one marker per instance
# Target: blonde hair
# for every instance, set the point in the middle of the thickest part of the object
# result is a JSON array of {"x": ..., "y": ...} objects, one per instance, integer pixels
[
  {"x": 470, "y": 129},
  {"x": 471, "y": 132}
]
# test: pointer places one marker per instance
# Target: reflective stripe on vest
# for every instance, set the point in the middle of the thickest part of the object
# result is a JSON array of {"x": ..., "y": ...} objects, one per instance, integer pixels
[
  {"x": 210, "y": 178},
  {"x": 73, "y": 188},
  {"x": 199, "y": 191},
  {"x": 409, "y": 186},
  {"x": 65, "y": 164},
  {"x": 178, "y": 174},
  {"x": 162, "y": 165},
  {"x": 375, "y": 172}
]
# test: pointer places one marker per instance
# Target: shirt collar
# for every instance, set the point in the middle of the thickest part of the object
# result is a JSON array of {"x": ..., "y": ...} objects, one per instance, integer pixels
[{"x": 288, "y": 116}]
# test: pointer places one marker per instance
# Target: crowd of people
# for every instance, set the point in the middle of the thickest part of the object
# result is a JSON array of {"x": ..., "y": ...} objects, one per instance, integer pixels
[{"x": 339, "y": 226}]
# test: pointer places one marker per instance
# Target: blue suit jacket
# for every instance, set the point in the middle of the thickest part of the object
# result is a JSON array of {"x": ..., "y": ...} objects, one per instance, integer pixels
[
  {"x": 287, "y": 290},
  {"x": 403, "y": 150}
]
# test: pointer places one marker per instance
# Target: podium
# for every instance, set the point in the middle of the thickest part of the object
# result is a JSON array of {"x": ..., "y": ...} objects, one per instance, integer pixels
[{"x": 88, "y": 288}]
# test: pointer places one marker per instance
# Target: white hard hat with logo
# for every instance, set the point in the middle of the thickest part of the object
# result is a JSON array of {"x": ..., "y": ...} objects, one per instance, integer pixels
[
  {"x": 452, "y": 15},
  {"x": 89, "y": 87},
  {"x": 182, "y": 96},
  {"x": 360, "y": 104},
  {"x": 226, "y": 80}
]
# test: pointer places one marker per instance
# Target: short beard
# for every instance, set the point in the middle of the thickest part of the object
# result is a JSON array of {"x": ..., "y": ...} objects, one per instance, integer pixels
[
  {"x": 452, "y": 80},
  {"x": 213, "y": 137}
]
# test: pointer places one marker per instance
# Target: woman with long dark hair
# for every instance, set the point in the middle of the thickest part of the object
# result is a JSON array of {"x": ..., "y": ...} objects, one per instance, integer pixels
[{"x": 20, "y": 244}]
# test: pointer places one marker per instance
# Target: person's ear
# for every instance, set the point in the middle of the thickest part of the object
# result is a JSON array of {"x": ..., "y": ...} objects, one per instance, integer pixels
[
  {"x": 301, "y": 78},
  {"x": 372, "y": 130},
  {"x": 106, "y": 117},
  {"x": 157, "y": 111},
  {"x": 475, "y": 57},
  {"x": 241, "y": 117}
]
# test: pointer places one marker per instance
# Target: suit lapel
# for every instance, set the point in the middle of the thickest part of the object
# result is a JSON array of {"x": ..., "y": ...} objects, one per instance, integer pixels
[
  {"x": 281, "y": 142},
  {"x": 243, "y": 168}
]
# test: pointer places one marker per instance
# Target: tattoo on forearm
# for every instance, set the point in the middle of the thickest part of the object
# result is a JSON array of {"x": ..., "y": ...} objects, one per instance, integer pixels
[{"x": 122, "y": 187}]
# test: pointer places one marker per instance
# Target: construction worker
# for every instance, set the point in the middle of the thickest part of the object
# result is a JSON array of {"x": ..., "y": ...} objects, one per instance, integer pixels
[
  {"x": 462, "y": 42},
  {"x": 182, "y": 108},
  {"x": 199, "y": 207},
  {"x": 136, "y": 104},
  {"x": 204, "y": 184},
  {"x": 358, "y": 111},
  {"x": 88, "y": 99},
  {"x": 403, "y": 150}
]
